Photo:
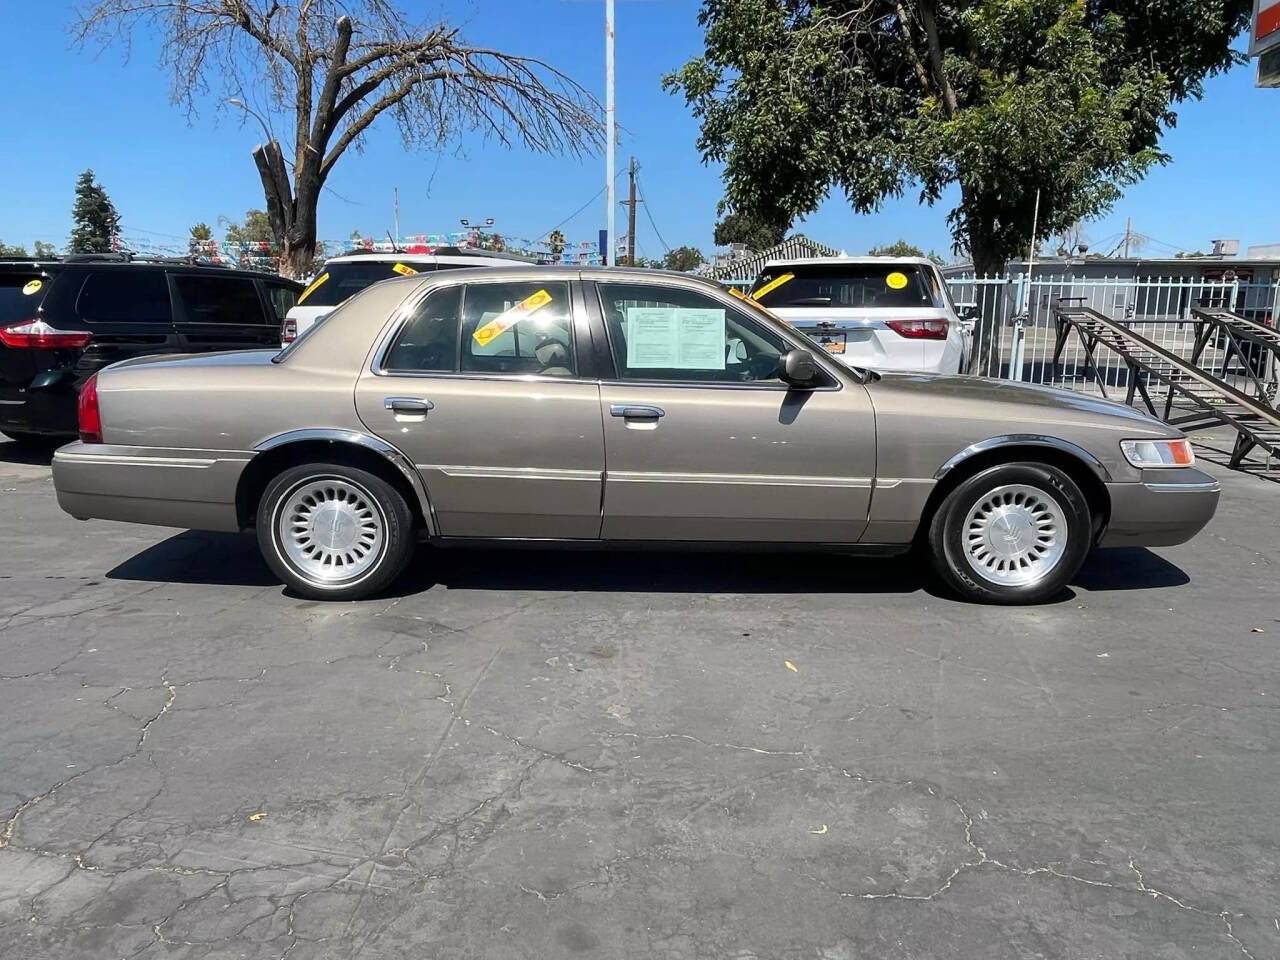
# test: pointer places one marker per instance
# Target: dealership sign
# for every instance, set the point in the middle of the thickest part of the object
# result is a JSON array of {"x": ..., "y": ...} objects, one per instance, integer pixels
[{"x": 1265, "y": 26}]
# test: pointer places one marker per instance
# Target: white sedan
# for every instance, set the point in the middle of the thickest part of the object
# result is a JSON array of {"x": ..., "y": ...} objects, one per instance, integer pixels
[{"x": 878, "y": 313}]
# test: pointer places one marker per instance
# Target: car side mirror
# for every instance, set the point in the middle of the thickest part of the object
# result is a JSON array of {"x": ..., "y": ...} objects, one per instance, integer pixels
[{"x": 799, "y": 368}]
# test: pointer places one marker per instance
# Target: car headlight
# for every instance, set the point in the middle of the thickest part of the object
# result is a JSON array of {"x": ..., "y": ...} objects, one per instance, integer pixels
[{"x": 1158, "y": 453}]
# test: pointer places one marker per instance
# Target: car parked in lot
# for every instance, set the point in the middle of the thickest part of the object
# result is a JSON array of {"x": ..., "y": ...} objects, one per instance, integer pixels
[
  {"x": 344, "y": 276},
  {"x": 881, "y": 313},
  {"x": 614, "y": 407},
  {"x": 63, "y": 319}
]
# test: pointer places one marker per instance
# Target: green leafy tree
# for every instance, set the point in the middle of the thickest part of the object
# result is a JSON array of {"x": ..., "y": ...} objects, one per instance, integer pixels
[
  {"x": 201, "y": 234},
  {"x": 683, "y": 259},
  {"x": 899, "y": 248},
  {"x": 44, "y": 249},
  {"x": 256, "y": 229},
  {"x": 747, "y": 229},
  {"x": 1001, "y": 99},
  {"x": 96, "y": 222},
  {"x": 556, "y": 243},
  {"x": 332, "y": 69},
  {"x": 12, "y": 249}
]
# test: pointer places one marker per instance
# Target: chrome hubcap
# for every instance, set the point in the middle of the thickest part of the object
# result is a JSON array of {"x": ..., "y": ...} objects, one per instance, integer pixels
[
  {"x": 1015, "y": 535},
  {"x": 330, "y": 529}
]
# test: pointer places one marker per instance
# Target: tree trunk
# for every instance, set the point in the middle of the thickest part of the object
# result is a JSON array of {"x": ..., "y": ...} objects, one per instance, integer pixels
[
  {"x": 987, "y": 262},
  {"x": 292, "y": 218}
]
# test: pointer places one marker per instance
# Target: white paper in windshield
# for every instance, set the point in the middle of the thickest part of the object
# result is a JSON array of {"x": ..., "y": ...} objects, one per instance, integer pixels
[{"x": 675, "y": 338}]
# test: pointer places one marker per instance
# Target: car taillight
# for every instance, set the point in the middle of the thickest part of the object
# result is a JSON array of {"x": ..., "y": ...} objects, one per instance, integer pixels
[
  {"x": 40, "y": 335},
  {"x": 932, "y": 329},
  {"x": 290, "y": 331},
  {"x": 87, "y": 412}
]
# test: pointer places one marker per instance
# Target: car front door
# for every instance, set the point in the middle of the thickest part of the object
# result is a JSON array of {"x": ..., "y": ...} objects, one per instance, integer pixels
[
  {"x": 484, "y": 387},
  {"x": 703, "y": 441}
]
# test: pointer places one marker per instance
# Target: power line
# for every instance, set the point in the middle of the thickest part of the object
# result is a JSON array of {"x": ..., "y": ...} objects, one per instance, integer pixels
[
  {"x": 580, "y": 209},
  {"x": 644, "y": 196}
]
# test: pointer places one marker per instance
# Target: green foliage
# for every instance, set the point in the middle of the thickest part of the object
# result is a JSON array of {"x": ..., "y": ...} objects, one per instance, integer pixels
[
  {"x": 256, "y": 229},
  {"x": 96, "y": 221},
  {"x": 556, "y": 243},
  {"x": 201, "y": 232},
  {"x": 753, "y": 231},
  {"x": 899, "y": 248},
  {"x": 12, "y": 249},
  {"x": 1002, "y": 98},
  {"x": 44, "y": 250},
  {"x": 683, "y": 259}
]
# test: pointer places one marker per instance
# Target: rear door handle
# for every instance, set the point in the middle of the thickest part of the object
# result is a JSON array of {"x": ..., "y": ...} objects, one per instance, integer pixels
[
  {"x": 636, "y": 411},
  {"x": 413, "y": 406}
]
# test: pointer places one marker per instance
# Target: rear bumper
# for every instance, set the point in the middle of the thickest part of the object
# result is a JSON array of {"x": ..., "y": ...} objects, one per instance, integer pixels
[
  {"x": 194, "y": 489},
  {"x": 46, "y": 406},
  {"x": 1167, "y": 507}
]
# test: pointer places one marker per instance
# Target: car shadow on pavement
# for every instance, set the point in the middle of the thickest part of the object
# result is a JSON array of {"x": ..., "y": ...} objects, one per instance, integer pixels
[
  {"x": 228, "y": 559},
  {"x": 38, "y": 454}
]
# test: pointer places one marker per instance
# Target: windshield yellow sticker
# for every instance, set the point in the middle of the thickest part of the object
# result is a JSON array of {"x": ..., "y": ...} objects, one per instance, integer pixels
[
  {"x": 772, "y": 285},
  {"x": 896, "y": 280},
  {"x": 33, "y": 286},
  {"x": 404, "y": 271},
  {"x": 312, "y": 288},
  {"x": 505, "y": 321}
]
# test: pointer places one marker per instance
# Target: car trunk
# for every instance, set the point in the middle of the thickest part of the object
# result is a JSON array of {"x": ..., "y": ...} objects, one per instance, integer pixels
[{"x": 21, "y": 293}]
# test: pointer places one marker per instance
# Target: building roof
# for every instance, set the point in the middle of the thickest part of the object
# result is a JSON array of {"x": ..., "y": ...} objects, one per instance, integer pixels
[{"x": 795, "y": 247}]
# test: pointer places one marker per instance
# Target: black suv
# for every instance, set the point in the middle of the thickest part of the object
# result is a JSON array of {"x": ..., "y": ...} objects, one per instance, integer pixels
[{"x": 63, "y": 319}]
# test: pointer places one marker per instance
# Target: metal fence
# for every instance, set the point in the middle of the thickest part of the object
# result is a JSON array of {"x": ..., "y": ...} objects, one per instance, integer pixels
[{"x": 1015, "y": 331}]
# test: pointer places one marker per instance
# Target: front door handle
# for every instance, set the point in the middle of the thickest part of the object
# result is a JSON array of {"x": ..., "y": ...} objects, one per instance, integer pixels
[
  {"x": 636, "y": 411},
  {"x": 411, "y": 406}
]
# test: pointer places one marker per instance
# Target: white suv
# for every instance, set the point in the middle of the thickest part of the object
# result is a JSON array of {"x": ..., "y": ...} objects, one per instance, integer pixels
[
  {"x": 342, "y": 277},
  {"x": 882, "y": 313}
]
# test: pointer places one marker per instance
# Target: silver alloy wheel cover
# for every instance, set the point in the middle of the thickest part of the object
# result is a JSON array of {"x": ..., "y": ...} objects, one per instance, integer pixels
[
  {"x": 1014, "y": 535},
  {"x": 330, "y": 530}
]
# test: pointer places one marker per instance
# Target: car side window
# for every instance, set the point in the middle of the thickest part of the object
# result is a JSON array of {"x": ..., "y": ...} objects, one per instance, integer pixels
[
  {"x": 219, "y": 300},
  {"x": 519, "y": 328},
  {"x": 428, "y": 341},
  {"x": 281, "y": 298},
  {"x": 124, "y": 296},
  {"x": 671, "y": 333}
]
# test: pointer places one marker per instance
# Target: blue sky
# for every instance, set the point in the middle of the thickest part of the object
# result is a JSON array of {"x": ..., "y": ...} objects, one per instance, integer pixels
[{"x": 81, "y": 109}]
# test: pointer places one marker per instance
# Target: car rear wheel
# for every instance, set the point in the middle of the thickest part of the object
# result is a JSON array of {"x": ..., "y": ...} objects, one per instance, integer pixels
[
  {"x": 1013, "y": 533},
  {"x": 334, "y": 532}
]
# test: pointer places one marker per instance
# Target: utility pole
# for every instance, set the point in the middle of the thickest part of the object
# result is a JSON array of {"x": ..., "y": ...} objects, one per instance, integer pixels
[
  {"x": 1128, "y": 230},
  {"x": 610, "y": 134},
  {"x": 631, "y": 214},
  {"x": 395, "y": 206}
]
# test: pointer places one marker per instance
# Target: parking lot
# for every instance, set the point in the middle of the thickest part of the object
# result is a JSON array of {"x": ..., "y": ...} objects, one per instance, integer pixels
[{"x": 525, "y": 754}]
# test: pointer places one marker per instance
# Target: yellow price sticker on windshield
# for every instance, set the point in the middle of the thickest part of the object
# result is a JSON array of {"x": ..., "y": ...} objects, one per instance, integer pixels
[
  {"x": 32, "y": 286},
  {"x": 896, "y": 280},
  {"x": 404, "y": 271},
  {"x": 313, "y": 286},
  {"x": 505, "y": 321},
  {"x": 772, "y": 285}
]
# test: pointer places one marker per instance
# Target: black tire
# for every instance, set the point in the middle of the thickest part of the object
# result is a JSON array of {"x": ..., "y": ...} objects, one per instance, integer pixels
[
  {"x": 947, "y": 533},
  {"x": 387, "y": 508}
]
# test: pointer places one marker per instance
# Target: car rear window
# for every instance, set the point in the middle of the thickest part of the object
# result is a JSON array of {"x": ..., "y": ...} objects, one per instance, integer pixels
[
  {"x": 847, "y": 285},
  {"x": 338, "y": 281},
  {"x": 20, "y": 295},
  {"x": 124, "y": 296}
]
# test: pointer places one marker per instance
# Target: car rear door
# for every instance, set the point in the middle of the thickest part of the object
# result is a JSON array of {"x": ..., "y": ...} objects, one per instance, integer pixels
[
  {"x": 221, "y": 311},
  {"x": 704, "y": 442},
  {"x": 126, "y": 307},
  {"x": 485, "y": 386}
]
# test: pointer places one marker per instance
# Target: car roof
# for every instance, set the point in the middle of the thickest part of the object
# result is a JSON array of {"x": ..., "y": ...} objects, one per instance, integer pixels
[
  {"x": 451, "y": 255},
  {"x": 14, "y": 265},
  {"x": 849, "y": 261},
  {"x": 560, "y": 272}
]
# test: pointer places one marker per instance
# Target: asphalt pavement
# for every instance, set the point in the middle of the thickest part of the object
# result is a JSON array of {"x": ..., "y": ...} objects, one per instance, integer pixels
[{"x": 632, "y": 755}]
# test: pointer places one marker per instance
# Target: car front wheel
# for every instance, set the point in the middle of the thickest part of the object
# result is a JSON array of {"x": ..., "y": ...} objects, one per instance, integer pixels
[
  {"x": 334, "y": 532},
  {"x": 1013, "y": 533}
]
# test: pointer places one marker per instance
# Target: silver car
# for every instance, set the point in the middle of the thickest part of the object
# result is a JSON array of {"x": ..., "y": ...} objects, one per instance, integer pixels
[{"x": 614, "y": 408}]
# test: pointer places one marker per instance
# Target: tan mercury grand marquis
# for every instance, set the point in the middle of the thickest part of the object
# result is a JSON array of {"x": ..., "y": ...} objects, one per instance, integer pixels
[{"x": 544, "y": 406}]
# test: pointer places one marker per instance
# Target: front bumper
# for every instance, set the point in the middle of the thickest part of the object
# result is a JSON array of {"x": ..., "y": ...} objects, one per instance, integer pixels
[
  {"x": 1166, "y": 507},
  {"x": 194, "y": 489}
]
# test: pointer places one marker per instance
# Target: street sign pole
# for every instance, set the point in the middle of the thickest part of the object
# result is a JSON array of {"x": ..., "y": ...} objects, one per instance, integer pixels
[{"x": 610, "y": 200}]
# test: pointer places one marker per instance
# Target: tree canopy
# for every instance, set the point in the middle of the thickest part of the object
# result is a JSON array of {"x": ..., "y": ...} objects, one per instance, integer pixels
[
  {"x": 683, "y": 259},
  {"x": 12, "y": 249},
  {"x": 755, "y": 233},
  {"x": 1000, "y": 99},
  {"x": 255, "y": 229},
  {"x": 331, "y": 68},
  {"x": 96, "y": 222}
]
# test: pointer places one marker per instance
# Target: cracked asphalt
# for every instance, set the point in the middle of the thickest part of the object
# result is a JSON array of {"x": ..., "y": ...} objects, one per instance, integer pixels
[{"x": 632, "y": 755}]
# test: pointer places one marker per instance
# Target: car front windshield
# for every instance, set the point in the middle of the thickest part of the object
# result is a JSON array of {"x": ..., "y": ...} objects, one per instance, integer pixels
[
  {"x": 846, "y": 285},
  {"x": 343, "y": 279}
]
